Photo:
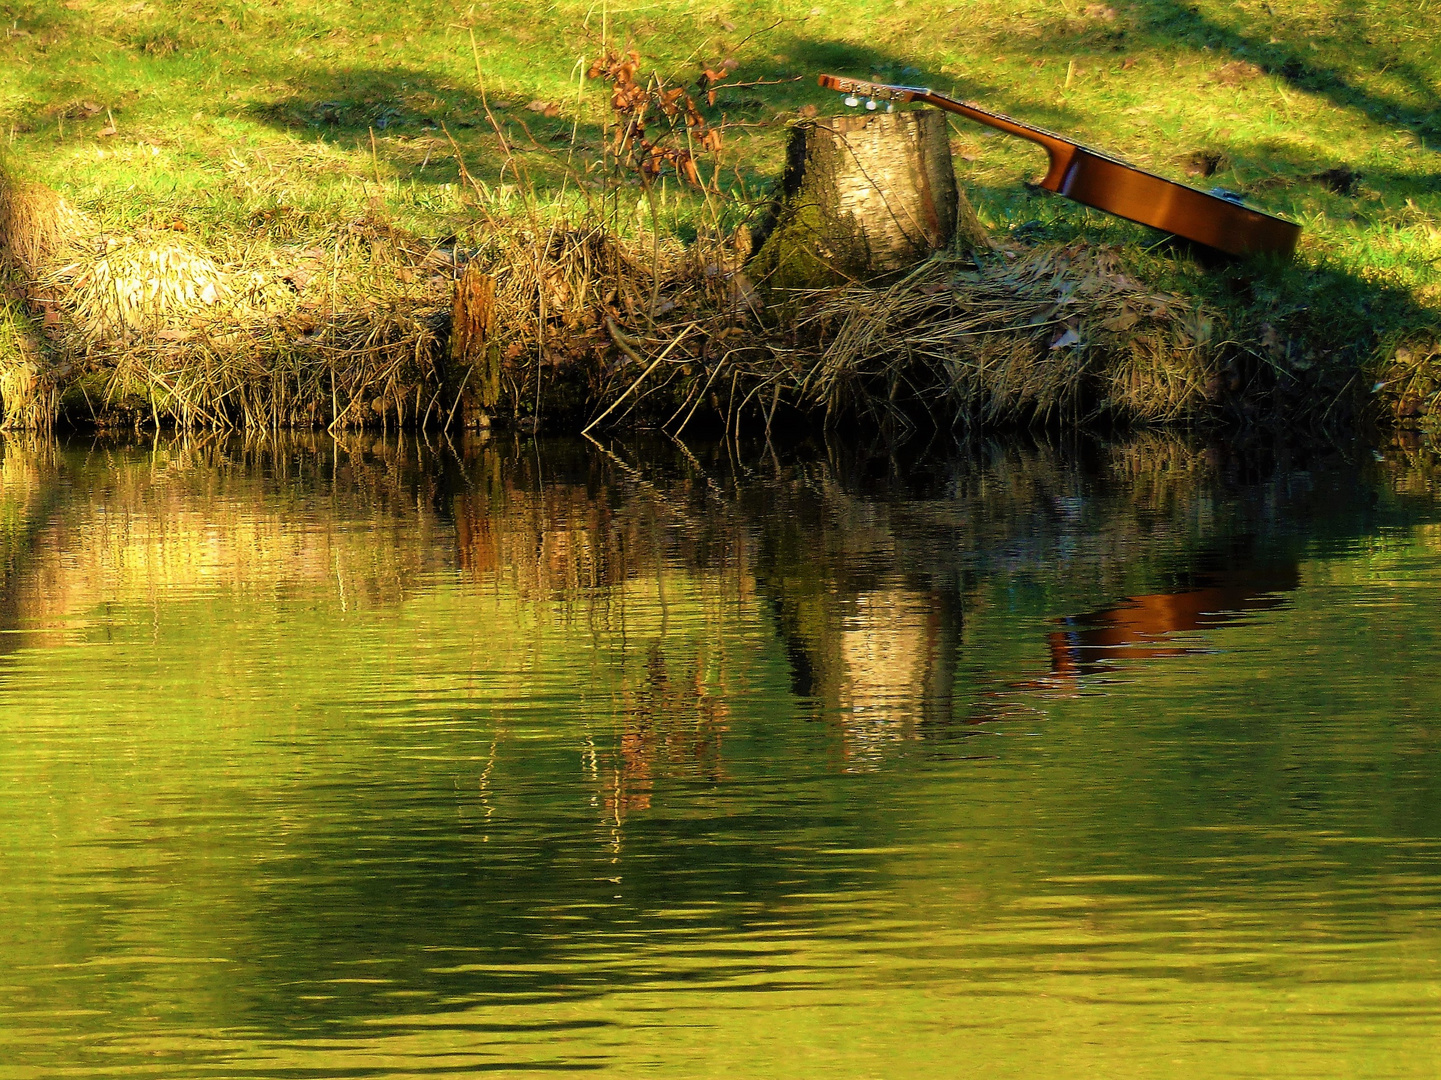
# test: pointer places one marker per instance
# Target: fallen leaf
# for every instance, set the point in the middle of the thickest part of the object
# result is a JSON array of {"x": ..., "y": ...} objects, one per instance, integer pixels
[
  {"x": 1119, "y": 324},
  {"x": 1068, "y": 339}
]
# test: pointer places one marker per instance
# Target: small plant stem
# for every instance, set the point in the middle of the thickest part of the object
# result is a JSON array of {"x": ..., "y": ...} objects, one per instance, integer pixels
[
  {"x": 477, "y": 185},
  {"x": 649, "y": 189},
  {"x": 615, "y": 333},
  {"x": 526, "y": 194},
  {"x": 456, "y": 405}
]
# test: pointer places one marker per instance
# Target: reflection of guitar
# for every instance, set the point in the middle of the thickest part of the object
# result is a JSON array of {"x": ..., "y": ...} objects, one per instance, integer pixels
[
  {"x": 1140, "y": 627},
  {"x": 1217, "y": 219}
]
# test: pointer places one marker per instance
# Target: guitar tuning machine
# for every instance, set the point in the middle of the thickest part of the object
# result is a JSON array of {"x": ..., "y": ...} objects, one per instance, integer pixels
[
  {"x": 871, "y": 105},
  {"x": 852, "y": 101}
]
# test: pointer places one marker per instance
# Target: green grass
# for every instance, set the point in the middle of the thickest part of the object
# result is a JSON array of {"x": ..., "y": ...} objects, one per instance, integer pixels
[{"x": 284, "y": 118}]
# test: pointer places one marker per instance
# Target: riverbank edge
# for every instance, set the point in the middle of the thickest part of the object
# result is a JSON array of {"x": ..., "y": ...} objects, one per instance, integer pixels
[{"x": 569, "y": 325}]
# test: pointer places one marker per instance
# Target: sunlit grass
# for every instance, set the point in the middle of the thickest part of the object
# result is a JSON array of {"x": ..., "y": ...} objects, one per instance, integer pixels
[
  {"x": 287, "y": 118},
  {"x": 200, "y": 97}
]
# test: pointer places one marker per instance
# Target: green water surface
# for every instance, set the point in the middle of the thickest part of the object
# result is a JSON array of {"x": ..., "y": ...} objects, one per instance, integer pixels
[{"x": 392, "y": 760}]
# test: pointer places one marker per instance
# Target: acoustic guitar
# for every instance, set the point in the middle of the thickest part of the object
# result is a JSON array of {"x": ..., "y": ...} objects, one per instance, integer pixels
[{"x": 1218, "y": 219}]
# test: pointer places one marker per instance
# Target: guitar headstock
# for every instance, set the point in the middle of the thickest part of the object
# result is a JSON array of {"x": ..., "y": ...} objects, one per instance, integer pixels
[{"x": 856, "y": 89}]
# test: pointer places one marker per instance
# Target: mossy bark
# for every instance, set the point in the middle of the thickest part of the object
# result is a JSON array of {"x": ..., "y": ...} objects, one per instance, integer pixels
[{"x": 863, "y": 196}]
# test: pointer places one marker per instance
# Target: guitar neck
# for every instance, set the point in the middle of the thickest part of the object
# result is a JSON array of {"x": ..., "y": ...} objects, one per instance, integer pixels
[
  {"x": 1000, "y": 121},
  {"x": 1059, "y": 149}
]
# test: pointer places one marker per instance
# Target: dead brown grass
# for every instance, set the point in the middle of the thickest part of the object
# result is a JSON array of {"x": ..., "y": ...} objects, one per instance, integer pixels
[
  {"x": 37, "y": 226},
  {"x": 1040, "y": 335},
  {"x": 349, "y": 330},
  {"x": 28, "y": 387},
  {"x": 1009, "y": 336}
]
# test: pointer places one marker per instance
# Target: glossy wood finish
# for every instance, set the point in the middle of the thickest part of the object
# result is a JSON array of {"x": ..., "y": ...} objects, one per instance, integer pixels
[{"x": 1096, "y": 179}]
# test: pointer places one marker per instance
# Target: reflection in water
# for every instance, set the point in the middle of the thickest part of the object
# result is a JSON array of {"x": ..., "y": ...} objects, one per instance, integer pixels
[
  {"x": 381, "y": 759},
  {"x": 1143, "y": 627},
  {"x": 882, "y": 660}
]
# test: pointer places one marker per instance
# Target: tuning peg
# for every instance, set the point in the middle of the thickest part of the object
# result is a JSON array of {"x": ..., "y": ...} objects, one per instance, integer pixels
[
  {"x": 852, "y": 101},
  {"x": 890, "y": 106},
  {"x": 871, "y": 105}
]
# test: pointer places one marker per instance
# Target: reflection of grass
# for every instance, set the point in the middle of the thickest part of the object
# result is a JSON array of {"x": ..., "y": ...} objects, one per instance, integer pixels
[{"x": 253, "y": 827}]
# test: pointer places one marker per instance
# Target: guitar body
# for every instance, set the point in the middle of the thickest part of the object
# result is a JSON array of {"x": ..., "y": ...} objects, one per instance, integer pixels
[
  {"x": 1153, "y": 200},
  {"x": 1095, "y": 179}
]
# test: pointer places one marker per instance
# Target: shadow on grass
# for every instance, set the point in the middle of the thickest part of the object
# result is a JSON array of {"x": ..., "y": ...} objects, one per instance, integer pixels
[
  {"x": 407, "y": 118},
  {"x": 1331, "y": 56},
  {"x": 1302, "y": 332},
  {"x": 405, "y": 109}
]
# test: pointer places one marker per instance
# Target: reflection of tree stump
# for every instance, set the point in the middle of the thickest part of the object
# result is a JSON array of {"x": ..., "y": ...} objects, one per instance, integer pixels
[
  {"x": 474, "y": 356},
  {"x": 863, "y": 195}
]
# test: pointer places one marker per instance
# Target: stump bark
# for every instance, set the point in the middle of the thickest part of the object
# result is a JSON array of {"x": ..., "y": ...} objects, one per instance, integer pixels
[
  {"x": 474, "y": 357},
  {"x": 863, "y": 196}
]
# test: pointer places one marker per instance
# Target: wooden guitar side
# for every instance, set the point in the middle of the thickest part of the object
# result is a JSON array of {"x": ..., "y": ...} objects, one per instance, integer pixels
[{"x": 1137, "y": 195}]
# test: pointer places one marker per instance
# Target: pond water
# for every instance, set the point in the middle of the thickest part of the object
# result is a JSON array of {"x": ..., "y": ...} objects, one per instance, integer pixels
[{"x": 383, "y": 759}]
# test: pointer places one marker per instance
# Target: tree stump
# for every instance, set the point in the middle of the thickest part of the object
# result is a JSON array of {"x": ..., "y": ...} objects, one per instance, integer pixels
[
  {"x": 863, "y": 196},
  {"x": 474, "y": 357}
]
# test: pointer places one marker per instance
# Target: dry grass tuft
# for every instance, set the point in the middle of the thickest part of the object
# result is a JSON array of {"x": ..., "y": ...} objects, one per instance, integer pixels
[
  {"x": 554, "y": 285},
  {"x": 37, "y": 226},
  {"x": 27, "y": 385},
  {"x": 342, "y": 333},
  {"x": 1051, "y": 333},
  {"x": 1014, "y": 336},
  {"x": 127, "y": 286}
]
